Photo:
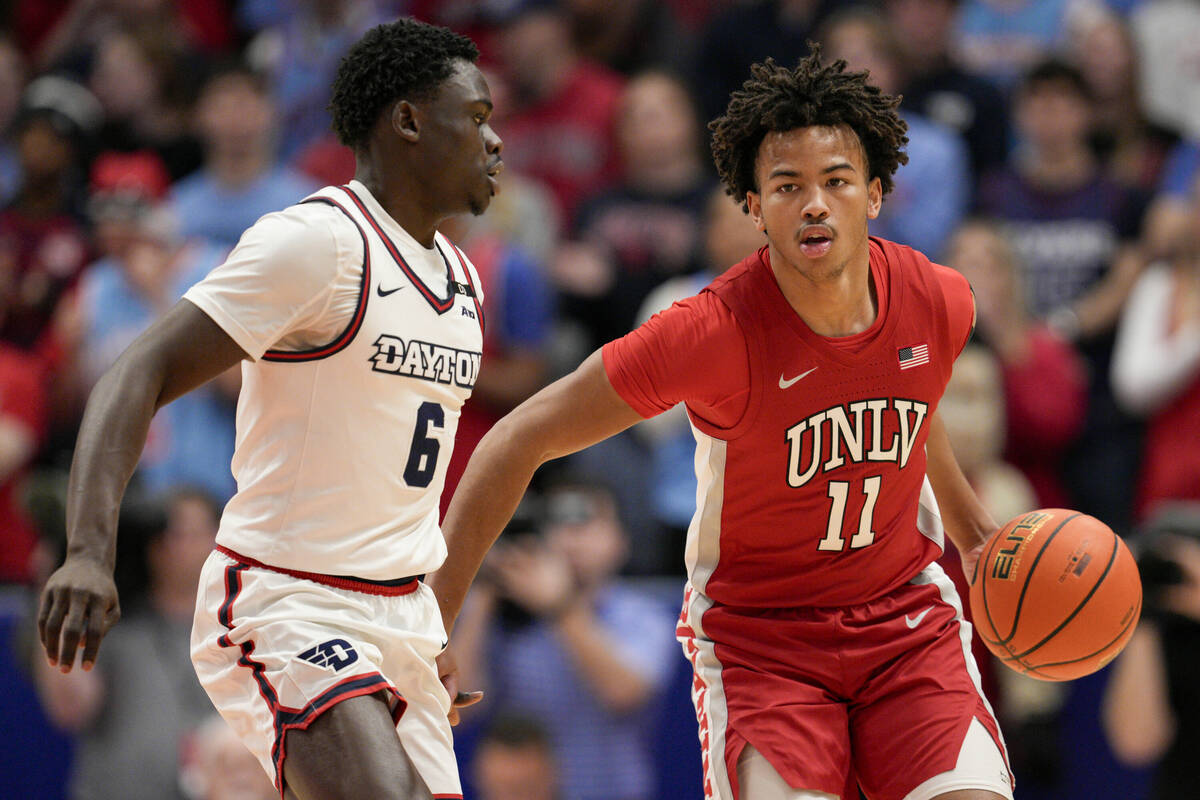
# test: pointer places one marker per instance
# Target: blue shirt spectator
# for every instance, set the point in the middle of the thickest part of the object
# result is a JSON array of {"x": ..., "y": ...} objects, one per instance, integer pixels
[
  {"x": 602, "y": 754},
  {"x": 1180, "y": 171},
  {"x": 221, "y": 213},
  {"x": 931, "y": 192},
  {"x": 191, "y": 439},
  {"x": 1002, "y": 39}
]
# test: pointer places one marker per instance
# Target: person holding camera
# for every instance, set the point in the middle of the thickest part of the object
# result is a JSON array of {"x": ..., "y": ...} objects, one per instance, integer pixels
[
  {"x": 1151, "y": 707},
  {"x": 551, "y": 632}
]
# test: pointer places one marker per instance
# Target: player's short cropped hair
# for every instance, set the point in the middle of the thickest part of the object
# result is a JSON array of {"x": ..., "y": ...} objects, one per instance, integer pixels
[
  {"x": 405, "y": 59},
  {"x": 777, "y": 99}
]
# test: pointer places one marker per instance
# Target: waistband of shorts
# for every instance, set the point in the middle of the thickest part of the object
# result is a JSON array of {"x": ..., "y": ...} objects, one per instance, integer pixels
[{"x": 390, "y": 588}]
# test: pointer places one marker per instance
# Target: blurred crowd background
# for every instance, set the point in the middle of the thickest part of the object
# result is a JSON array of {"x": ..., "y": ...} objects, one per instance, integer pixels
[{"x": 1054, "y": 158}]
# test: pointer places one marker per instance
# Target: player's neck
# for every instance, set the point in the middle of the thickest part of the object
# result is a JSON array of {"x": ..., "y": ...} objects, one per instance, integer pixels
[
  {"x": 404, "y": 205},
  {"x": 838, "y": 301}
]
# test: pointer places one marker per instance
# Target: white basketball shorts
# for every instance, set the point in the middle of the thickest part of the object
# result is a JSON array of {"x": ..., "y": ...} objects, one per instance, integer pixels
[{"x": 275, "y": 650}]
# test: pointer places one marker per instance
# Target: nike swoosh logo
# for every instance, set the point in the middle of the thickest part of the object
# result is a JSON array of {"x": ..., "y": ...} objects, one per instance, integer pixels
[
  {"x": 783, "y": 383},
  {"x": 379, "y": 290},
  {"x": 913, "y": 622}
]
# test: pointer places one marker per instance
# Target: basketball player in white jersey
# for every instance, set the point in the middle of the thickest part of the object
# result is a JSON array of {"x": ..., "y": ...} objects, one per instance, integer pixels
[{"x": 359, "y": 331}]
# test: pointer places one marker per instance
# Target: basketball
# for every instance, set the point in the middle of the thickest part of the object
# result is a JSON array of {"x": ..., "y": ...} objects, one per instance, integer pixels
[{"x": 1056, "y": 594}]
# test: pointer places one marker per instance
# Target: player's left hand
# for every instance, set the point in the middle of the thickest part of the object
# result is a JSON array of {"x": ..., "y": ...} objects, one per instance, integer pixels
[
  {"x": 448, "y": 674},
  {"x": 970, "y": 558}
]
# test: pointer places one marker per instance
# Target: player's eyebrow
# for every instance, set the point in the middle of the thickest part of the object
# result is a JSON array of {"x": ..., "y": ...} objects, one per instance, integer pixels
[
  {"x": 785, "y": 172},
  {"x": 483, "y": 101}
]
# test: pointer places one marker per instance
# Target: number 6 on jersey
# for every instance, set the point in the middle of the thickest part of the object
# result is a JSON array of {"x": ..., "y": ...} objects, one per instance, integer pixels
[{"x": 423, "y": 453}]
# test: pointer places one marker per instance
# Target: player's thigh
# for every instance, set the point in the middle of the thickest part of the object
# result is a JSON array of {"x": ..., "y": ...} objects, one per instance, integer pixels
[
  {"x": 979, "y": 774},
  {"x": 758, "y": 780},
  {"x": 351, "y": 751}
]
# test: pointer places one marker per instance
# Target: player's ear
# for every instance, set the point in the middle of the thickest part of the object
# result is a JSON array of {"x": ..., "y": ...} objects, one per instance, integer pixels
[
  {"x": 754, "y": 206},
  {"x": 404, "y": 121},
  {"x": 874, "y": 198}
]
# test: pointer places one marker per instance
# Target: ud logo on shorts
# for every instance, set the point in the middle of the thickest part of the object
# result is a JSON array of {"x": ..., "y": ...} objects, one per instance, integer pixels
[{"x": 335, "y": 654}]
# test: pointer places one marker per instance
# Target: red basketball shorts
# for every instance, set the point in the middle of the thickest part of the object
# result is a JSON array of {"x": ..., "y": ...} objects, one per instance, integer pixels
[{"x": 882, "y": 692}]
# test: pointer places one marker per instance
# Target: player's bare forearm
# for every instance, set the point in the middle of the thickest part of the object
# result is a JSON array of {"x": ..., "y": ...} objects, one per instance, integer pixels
[
  {"x": 568, "y": 415},
  {"x": 179, "y": 352},
  {"x": 967, "y": 522}
]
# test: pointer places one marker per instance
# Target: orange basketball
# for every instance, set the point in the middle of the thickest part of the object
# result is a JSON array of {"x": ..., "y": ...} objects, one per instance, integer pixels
[{"x": 1056, "y": 594}]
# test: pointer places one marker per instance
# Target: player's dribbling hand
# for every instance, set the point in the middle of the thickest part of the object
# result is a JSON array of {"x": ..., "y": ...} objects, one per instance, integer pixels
[
  {"x": 79, "y": 606},
  {"x": 448, "y": 674},
  {"x": 970, "y": 558}
]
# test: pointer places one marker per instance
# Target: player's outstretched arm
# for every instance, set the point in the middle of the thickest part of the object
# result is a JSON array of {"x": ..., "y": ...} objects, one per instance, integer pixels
[
  {"x": 568, "y": 415},
  {"x": 967, "y": 522},
  {"x": 181, "y": 351}
]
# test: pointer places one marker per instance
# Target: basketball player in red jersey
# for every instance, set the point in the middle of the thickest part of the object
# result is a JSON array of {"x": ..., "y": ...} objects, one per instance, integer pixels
[{"x": 828, "y": 646}]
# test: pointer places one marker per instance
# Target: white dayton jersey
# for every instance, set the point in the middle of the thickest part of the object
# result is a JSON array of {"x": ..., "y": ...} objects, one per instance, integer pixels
[{"x": 365, "y": 346}]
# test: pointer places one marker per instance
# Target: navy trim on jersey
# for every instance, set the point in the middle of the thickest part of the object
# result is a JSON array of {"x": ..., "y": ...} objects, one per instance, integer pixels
[
  {"x": 474, "y": 292},
  {"x": 439, "y": 305},
  {"x": 286, "y": 718},
  {"x": 364, "y": 291}
]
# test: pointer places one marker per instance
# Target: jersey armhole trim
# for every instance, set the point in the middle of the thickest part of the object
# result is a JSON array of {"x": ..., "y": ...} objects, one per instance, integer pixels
[{"x": 347, "y": 335}]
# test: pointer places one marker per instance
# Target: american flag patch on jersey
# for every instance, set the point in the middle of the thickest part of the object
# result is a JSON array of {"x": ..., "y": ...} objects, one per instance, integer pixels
[{"x": 913, "y": 356}]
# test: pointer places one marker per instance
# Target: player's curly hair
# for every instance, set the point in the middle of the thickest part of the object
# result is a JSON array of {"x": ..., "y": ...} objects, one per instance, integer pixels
[
  {"x": 402, "y": 59},
  {"x": 776, "y": 98}
]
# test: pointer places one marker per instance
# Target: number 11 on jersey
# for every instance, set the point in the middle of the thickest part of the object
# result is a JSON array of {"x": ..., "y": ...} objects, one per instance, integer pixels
[{"x": 838, "y": 493}]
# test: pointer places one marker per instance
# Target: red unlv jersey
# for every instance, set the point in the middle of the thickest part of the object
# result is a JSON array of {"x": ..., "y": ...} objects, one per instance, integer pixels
[{"x": 810, "y": 451}]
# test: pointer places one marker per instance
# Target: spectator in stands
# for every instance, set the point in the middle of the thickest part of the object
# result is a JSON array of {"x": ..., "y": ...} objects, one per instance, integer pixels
[
  {"x": 43, "y": 244},
  {"x": 1075, "y": 231},
  {"x": 936, "y": 85},
  {"x": 62, "y": 32},
  {"x": 745, "y": 34},
  {"x": 12, "y": 84},
  {"x": 560, "y": 128},
  {"x": 1002, "y": 39},
  {"x": 147, "y": 267},
  {"x": 1166, "y": 32},
  {"x": 132, "y": 712},
  {"x": 1156, "y": 368},
  {"x": 1133, "y": 148},
  {"x": 217, "y": 766},
  {"x": 1044, "y": 379},
  {"x": 630, "y": 36},
  {"x": 23, "y": 378},
  {"x": 514, "y": 760},
  {"x": 632, "y": 237},
  {"x": 146, "y": 88},
  {"x": 553, "y": 633},
  {"x": 299, "y": 52},
  {"x": 932, "y": 191},
  {"x": 1151, "y": 706},
  {"x": 241, "y": 179}
]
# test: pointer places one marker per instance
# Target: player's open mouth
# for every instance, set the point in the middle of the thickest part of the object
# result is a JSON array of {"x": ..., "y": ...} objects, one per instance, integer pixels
[
  {"x": 493, "y": 174},
  {"x": 816, "y": 242}
]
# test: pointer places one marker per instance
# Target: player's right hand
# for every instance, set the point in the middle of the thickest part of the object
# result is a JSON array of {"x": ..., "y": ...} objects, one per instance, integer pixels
[{"x": 79, "y": 606}]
